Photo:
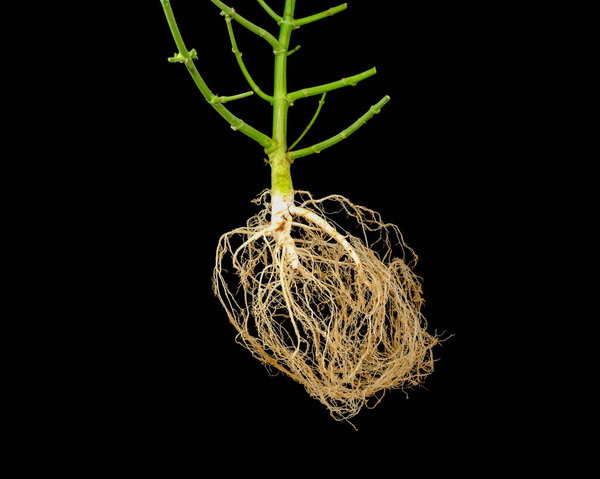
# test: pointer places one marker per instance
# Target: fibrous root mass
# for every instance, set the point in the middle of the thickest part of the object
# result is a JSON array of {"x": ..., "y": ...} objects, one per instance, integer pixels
[{"x": 327, "y": 303}]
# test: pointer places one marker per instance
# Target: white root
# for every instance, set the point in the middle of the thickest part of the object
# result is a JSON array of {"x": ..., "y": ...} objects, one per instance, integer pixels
[
  {"x": 282, "y": 211},
  {"x": 281, "y": 224},
  {"x": 330, "y": 230}
]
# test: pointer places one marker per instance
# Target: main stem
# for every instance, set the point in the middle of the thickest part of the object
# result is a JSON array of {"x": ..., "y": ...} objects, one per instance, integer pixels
[{"x": 281, "y": 180}]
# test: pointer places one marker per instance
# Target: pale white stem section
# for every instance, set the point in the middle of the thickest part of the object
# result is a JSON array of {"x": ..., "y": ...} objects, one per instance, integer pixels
[
  {"x": 281, "y": 225},
  {"x": 329, "y": 229}
]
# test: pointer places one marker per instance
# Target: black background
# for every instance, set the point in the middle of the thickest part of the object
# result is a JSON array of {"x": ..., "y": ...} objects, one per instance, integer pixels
[{"x": 156, "y": 176}]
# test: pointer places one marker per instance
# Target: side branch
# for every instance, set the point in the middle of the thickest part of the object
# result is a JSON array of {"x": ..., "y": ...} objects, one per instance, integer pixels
[
  {"x": 295, "y": 49},
  {"x": 319, "y": 16},
  {"x": 225, "y": 99},
  {"x": 270, "y": 11},
  {"x": 317, "y": 148},
  {"x": 238, "y": 56},
  {"x": 312, "y": 121},
  {"x": 261, "y": 32},
  {"x": 317, "y": 90},
  {"x": 187, "y": 58}
]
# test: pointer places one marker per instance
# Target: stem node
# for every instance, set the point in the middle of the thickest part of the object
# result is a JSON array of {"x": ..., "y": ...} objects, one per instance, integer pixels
[
  {"x": 184, "y": 58},
  {"x": 236, "y": 128}
]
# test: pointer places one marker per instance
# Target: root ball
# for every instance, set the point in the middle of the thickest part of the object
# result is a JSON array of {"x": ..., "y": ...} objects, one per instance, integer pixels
[{"x": 340, "y": 314}]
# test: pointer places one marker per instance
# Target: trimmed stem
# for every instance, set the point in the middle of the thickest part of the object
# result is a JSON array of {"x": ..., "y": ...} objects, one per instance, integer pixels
[
  {"x": 319, "y": 16},
  {"x": 238, "y": 56},
  {"x": 187, "y": 58},
  {"x": 281, "y": 180},
  {"x": 317, "y": 90},
  {"x": 261, "y": 32},
  {"x": 270, "y": 11},
  {"x": 314, "y": 118},
  {"x": 317, "y": 148}
]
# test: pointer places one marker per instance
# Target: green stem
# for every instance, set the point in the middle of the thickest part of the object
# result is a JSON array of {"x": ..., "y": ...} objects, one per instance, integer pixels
[
  {"x": 317, "y": 148},
  {"x": 270, "y": 11},
  {"x": 314, "y": 118},
  {"x": 187, "y": 58},
  {"x": 238, "y": 56},
  {"x": 319, "y": 16},
  {"x": 261, "y": 32},
  {"x": 166, "y": 4},
  {"x": 317, "y": 90},
  {"x": 281, "y": 180},
  {"x": 280, "y": 156}
]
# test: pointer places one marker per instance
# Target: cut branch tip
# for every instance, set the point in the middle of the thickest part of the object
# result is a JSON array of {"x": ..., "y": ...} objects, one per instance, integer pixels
[{"x": 295, "y": 49}]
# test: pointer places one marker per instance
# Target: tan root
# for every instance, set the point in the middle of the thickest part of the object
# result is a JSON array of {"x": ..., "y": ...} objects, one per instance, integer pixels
[{"x": 332, "y": 310}]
